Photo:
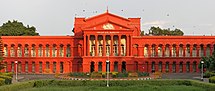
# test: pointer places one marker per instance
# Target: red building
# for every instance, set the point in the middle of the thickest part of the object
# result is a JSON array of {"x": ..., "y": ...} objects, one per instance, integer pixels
[{"x": 101, "y": 38}]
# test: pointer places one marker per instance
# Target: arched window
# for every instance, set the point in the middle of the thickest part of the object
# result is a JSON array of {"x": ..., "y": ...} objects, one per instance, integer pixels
[
  {"x": 153, "y": 51},
  {"x": 123, "y": 66},
  {"x": 12, "y": 51},
  {"x": 92, "y": 66},
  {"x": 174, "y": 51},
  {"x": 181, "y": 67},
  {"x": 61, "y": 67},
  {"x": 146, "y": 51},
  {"x": 100, "y": 66},
  {"x": 208, "y": 49},
  {"x": 54, "y": 67},
  {"x": 40, "y": 51},
  {"x": 167, "y": 51},
  {"x": 19, "y": 51},
  {"x": 116, "y": 66},
  {"x": 187, "y": 51},
  {"x": 47, "y": 51},
  {"x": 181, "y": 51},
  {"x": 54, "y": 51},
  {"x": 201, "y": 51},
  {"x": 40, "y": 67},
  {"x": 26, "y": 67},
  {"x": 153, "y": 66},
  {"x": 194, "y": 52},
  {"x": 160, "y": 66},
  {"x": 160, "y": 53},
  {"x": 68, "y": 51},
  {"x": 61, "y": 52},
  {"x": 26, "y": 51},
  {"x": 33, "y": 67},
  {"x": 188, "y": 66},
  {"x": 167, "y": 66},
  {"x": 5, "y": 51},
  {"x": 33, "y": 51},
  {"x": 194, "y": 66},
  {"x": 174, "y": 67}
]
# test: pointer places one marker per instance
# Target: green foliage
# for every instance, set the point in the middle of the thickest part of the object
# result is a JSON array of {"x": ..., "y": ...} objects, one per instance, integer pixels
[
  {"x": 143, "y": 74},
  {"x": 78, "y": 74},
  {"x": 102, "y": 83},
  {"x": 212, "y": 79},
  {"x": 122, "y": 75},
  {"x": 209, "y": 62},
  {"x": 208, "y": 74},
  {"x": 157, "y": 31},
  {"x": 10, "y": 74},
  {"x": 2, "y": 81},
  {"x": 142, "y": 33},
  {"x": 17, "y": 86},
  {"x": 8, "y": 79},
  {"x": 16, "y": 28}
]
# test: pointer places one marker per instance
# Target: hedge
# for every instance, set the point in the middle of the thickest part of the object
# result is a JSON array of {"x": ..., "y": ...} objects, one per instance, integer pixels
[
  {"x": 102, "y": 83},
  {"x": 17, "y": 86},
  {"x": 8, "y": 79},
  {"x": 2, "y": 81},
  {"x": 212, "y": 79}
]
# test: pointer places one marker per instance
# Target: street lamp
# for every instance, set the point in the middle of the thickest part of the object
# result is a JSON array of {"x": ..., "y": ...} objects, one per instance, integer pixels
[
  {"x": 16, "y": 62},
  {"x": 107, "y": 62},
  {"x": 202, "y": 62}
]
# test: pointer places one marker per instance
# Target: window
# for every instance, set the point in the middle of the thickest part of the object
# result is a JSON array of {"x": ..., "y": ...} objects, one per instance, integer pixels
[
  {"x": 100, "y": 67},
  {"x": 47, "y": 51},
  {"x": 54, "y": 67},
  {"x": 61, "y": 67},
  {"x": 54, "y": 51},
  {"x": 33, "y": 52},
  {"x": 26, "y": 67},
  {"x": 174, "y": 51},
  {"x": 40, "y": 67},
  {"x": 61, "y": 51},
  {"x": 5, "y": 51},
  {"x": 145, "y": 51},
  {"x": 33, "y": 67},
  {"x": 19, "y": 51},
  {"x": 26, "y": 51},
  {"x": 68, "y": 51},
  {"x": 40, "y": 51},
  {"x": 159, "y": 51},
  {"x": 12, "y": 51}
]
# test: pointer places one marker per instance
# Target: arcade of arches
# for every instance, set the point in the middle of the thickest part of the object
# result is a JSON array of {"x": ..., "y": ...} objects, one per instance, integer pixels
[{"x": 105, "y": 40}]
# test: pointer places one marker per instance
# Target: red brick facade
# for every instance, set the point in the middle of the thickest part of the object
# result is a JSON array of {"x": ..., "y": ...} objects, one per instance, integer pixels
[{"x": 101, "y": 38}]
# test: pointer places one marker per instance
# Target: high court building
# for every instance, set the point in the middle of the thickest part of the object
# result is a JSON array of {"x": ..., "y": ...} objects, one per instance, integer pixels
[{"x": 105, "y": 40}]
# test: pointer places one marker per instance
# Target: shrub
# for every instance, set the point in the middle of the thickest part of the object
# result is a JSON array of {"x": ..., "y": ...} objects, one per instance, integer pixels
[
  {"x": 122, "y": 75},
  {"x": 10, "y": 74},
  {"x": 208, "y": 74},
  {"x": 114, "y": 74},
  {"x": 77, "y": 74},
  {"x": 17, "y": 86},
  {"x": 143, "y": 74},
  {"x": 212, "y": 79},
  {"x": 8, "y": 80},
  {"x": 2, "y": 81}
]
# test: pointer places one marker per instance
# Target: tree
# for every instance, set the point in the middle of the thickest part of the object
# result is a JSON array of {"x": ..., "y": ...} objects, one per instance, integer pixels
[
  {"x": 157, "y": 31},
  {"x": 16, "y": 28},
  {"x": 142, "y": 33},
  {"x": 209, "y": 62}
]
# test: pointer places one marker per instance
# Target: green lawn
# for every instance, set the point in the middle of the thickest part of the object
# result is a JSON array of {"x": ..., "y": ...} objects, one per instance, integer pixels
[{"x": 129, "y": 88}]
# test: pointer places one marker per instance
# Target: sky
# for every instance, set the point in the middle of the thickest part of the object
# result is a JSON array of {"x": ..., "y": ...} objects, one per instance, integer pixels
[{"x": 56, "y": 17}]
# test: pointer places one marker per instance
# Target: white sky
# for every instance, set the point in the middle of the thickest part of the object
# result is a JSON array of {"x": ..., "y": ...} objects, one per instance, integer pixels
[{"x": 56, "y": 17}]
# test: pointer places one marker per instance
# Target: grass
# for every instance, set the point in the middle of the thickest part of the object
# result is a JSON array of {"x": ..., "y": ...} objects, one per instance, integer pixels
[{"x": 115, "y": 88}]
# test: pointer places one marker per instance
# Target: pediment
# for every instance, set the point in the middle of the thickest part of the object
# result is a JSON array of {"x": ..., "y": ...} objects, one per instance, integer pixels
[{"x": 107, "y": 25}]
